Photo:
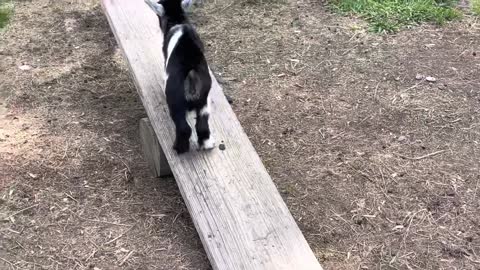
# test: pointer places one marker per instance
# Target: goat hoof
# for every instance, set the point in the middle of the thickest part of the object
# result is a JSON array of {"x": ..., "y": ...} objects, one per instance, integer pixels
[
  {"x": 181, "y": 148},
  {"x": 207, "y": 144}
]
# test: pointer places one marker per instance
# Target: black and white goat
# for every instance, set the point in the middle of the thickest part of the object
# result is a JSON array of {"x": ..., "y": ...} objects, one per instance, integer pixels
[{"x": 188, "y": 80}]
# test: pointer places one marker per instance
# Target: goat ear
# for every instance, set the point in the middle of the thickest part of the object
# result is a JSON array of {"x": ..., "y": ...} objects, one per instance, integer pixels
[
  {"x": 186, "y": 4},
  {"x": 156, "y": 7}
]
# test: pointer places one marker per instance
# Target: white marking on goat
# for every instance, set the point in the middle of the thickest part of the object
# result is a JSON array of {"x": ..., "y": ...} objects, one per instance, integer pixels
[
  {"x": 172, "y": 43},
  {"x": 191, "y": 116},
  {"x": 208, "y": 143},
  {"x": 206, "y": 110},
  {"x": 166, "y": 79}
]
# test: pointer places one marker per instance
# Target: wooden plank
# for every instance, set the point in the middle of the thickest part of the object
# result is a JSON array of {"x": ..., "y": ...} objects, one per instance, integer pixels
[
  {"x": 152, "y": 150},
  {"x": 239, "y": 215}
]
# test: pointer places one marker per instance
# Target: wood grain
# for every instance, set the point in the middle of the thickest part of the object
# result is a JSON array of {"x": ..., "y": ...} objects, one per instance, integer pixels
[
  {"x": 152, "y": 150},
  {"x": 238, "y": 213}
]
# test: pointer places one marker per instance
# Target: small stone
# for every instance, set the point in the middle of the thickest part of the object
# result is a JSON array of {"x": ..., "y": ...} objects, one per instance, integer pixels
[
  {"x": 222, "y": 147},
  {"x": 402, "y": 138},
  {"x": 398, "y": 227},
  {"x": 430, "y": 79},
  {"x": 419, "y": 77},
  {"x": 123, "y": 250},
  {"x": 25, "y": 67}
]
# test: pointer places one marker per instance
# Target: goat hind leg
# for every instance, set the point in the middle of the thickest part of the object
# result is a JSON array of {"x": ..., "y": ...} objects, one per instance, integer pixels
[{"x": 205, "y": 138}]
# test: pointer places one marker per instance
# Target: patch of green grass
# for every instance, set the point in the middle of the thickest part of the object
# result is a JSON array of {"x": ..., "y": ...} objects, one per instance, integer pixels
[
  {"x": 6, "y": 10},
  {"x": 392, "y": 15},
  {"x": 476, "y": 7}
]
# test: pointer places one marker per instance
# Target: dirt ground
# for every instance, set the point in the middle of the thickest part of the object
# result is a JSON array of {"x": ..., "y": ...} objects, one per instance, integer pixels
[{"x": 379, "y": 167}]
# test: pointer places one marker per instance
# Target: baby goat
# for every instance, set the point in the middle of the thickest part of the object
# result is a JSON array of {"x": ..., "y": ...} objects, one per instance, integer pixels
[{"x": 188, "y": 80}]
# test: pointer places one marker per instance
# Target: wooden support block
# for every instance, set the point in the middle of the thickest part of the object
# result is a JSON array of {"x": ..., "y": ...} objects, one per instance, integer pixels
[{"x": 152, "y": 150}]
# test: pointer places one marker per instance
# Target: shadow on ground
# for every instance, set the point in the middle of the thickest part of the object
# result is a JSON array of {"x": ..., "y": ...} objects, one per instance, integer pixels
[{"x": 71, "y": 158}]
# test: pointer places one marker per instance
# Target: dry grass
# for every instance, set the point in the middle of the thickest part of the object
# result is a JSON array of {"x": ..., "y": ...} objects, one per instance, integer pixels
[
  {"x": 70, "y": 153},
  {"x": 378, "y": 168}
]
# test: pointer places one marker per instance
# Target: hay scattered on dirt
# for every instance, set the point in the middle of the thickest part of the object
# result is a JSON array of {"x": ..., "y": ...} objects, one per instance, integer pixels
[{"x": 378, "y": 168}]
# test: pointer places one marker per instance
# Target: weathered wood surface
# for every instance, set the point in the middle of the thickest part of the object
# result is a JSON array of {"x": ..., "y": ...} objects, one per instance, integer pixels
[
  {"x": 152, "y": 150},
  {"x": 238, "y": 213}
]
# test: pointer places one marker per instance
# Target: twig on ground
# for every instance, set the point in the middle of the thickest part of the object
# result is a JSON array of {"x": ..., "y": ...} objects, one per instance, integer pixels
[
  {"x": 65, "y": 153},
  {"x": 421, "y": 157},
  {"x": 7, "y": 261},
  {"x": 91, "y": 255},
  {"x": 126, "y": 257},
  {"x": 120, "y": 236},
  {"x": 221, "y": 9},
  {"x": 100, "y": 221},
  {"x": 121, "y": 160},
  {"x": 472, "y": 260},
  {"x": 12, "y": 231},
  {"x": 70, "y": 196},
  {"x": 21, "y": 211},
  {"x": 106, "y": 222},
  {"x": 20, "y": 245},
  {"x": 375, "y": 91}
]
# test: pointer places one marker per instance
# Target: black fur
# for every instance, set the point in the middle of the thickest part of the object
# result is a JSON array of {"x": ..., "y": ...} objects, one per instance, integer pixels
[{"x": 189, "y": 82}]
